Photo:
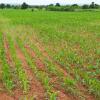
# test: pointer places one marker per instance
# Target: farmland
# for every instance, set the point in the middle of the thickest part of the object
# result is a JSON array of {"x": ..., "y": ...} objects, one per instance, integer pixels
[{"x": 49, "y": 55}]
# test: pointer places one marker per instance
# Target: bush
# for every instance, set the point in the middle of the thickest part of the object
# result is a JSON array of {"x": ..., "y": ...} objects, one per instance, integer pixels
[
  {"x": 8, "y": 6},
  {"x": 85, "y": 6},
  {"x": 61, "y": 8},
  {"x": 75, "y": 6}
]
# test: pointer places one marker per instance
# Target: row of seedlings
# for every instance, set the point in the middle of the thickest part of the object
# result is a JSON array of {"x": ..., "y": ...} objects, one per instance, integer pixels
[
  {"x": 41, "y": 75},
  {"x": 19, "y": 70},
  {"x": 67, "y": 82},
  {"x": 6, "y": 74},
  {"x": 82, "y": 75}
]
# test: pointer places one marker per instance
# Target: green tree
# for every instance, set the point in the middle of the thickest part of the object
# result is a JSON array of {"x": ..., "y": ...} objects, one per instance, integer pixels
[
  {"x": 8, "y": 6},
  {"x": 85, "y": 6},
  {"x": 92, "y": 5},
  {"x": 57, "y": 4},
  {"x": 24, "y": 6},
  {"x": 75, "y": 6},
  {"x": 2, "y": 5},
  {"x": 51, "y": 5},
  {"x": 97, "y": 6}
]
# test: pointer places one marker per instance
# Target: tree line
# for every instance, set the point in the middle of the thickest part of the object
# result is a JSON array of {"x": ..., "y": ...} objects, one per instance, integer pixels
[
  {"x": 23, "y": 6},
  {"x": 52, "y": 7}
]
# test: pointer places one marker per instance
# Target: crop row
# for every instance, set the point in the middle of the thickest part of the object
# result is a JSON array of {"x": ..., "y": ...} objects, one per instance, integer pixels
[
  {"x": 73, "y": 57},
  {"x": 66, "y": 83},
  {"x": 6, "y": 74},
  {"x": 83, "y": 75},
  {"x": 41, "y": 75},
  {"x": 18, "y": 66}
]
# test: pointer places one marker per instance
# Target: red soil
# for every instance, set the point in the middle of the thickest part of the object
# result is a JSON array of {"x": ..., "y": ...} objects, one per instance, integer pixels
[
  {"x": 4, "y": 96},
  {"x": 40, "y": 65},
  {"x": 82, "y": 88},
  {"x": 17, "y": 92},
  {"x": 61, "y": 94},
  {"x": 45, "y": 54},
  {"x": 36, "y": 89}
]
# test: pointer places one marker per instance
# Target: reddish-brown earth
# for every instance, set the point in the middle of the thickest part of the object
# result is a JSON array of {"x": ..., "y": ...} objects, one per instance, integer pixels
[
  {"x": 61, "y": 94},
  {"x": 17, "y": 92},
  {"x": 45, "y": 54},
  {"x": 36, "y": 89},
  {"x": 3, "y": 93},
  {"x": 79, "y": 86},
  {"x": 38, "y": 61},
  {"x": 4, "y": 96}
]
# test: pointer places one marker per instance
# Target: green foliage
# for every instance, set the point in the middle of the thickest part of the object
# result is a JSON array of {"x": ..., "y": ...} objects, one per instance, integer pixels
[
  {"x": 53, "y": 96},
  {"x": 60, "y": 8},
  {"x": 52, "y": 7},
  {"x": 70, "y": 86},
  {"x": 69, "y": 38},
  {"x": 57, "y": 4},
  {"x": 42, "y": 76},
  {"x": 24, "y": 6},
  {"x": 85, "y": 6},
  {"x": 5, "y": 69},
  {"x": 92, "y": 5},
  {"x": 2, "y": 5},
  {"x": 70, "y": 82},
  {"x": 19, "y": 70}
]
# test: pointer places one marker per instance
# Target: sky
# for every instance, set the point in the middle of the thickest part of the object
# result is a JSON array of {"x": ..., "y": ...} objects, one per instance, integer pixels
[{"x": 46, "y": 2}]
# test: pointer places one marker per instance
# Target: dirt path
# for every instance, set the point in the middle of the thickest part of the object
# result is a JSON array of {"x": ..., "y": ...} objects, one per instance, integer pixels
[{"x": 36, "y": 89}]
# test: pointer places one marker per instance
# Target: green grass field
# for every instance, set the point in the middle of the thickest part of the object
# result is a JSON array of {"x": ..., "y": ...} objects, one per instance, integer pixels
[{"x": 49, "y": 55}]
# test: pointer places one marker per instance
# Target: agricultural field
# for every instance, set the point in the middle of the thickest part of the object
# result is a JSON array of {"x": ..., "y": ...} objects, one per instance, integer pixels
[{"x": 49, "y": 55}]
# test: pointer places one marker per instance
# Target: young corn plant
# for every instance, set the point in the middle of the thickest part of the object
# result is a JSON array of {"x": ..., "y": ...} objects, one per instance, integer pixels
[
  {"x": 20, "y": 72},
  {"x": 83, "y": 76},
  {"x": 7, "y": 78},
  {"x": 42, "y": 76},
  {"x": 54, "y": 70},
  {"x": 93, "y": 84},
  {"x": 70, "y": 86}
]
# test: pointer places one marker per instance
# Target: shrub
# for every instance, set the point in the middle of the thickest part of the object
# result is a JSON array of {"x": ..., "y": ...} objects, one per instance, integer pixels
[{"x": 85, "y": 6}]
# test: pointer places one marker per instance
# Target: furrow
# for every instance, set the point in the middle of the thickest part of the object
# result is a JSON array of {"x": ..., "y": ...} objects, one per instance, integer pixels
[{"x": 36, "y": 89}]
